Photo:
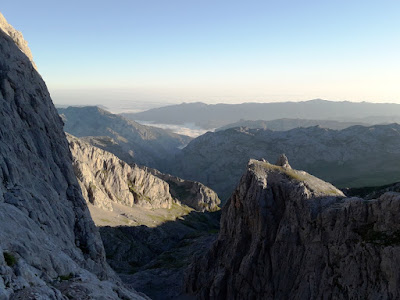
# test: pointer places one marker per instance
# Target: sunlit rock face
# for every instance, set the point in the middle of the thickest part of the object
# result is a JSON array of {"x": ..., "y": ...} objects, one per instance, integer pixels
[
  {"x": 288, "y": 235},
  {"x": 105, "y": 179},
  {"x": 49, "y": 246},
  {"x": 191, "y": 193},
  {"x": 17, "y": 37}
]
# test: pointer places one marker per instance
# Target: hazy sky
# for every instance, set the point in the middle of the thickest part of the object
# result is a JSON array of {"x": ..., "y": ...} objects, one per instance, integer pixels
[{"x": 213, "y": 51}]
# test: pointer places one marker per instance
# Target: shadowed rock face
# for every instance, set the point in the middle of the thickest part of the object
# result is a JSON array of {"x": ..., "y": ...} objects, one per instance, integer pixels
[
  {"x": 49, "y": 246},
  {"x": 153, "y": 260},
  {"x": 288, "y": 235}
]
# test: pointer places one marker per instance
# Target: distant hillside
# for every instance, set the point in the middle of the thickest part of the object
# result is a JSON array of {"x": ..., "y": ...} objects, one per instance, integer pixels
[
  {"x": 137, "y": 143},
  {"x": 287, "y": 124},
  {"x": 210, "y": 116},
  {"x": 354, "y": 157}
]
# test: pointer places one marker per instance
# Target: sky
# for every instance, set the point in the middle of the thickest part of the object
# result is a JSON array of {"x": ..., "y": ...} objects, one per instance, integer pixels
[{"x": 149, "y": 52}]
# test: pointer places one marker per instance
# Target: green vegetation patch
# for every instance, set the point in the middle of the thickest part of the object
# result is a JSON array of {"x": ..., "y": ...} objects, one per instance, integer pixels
[
  {"x": 105, "y": 173},
  {"x": 136, "y": 194},
  {"x": 10, "y": 259},
  {"x": 65, "y": 277},
  {"x": 318, "y": 185},
  {"x": 169, "y": 261},
  {"x": 92, "y": 186},
  {"x": 289, "y": 172}
]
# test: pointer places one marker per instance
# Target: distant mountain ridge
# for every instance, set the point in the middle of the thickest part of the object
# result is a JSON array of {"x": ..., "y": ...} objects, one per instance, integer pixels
[
  {"x": 209, "y": 116},
  {"x": 353, "y": 157},
  {"x": 136, "y": 143},
  {"x": 288, "y": 124}
]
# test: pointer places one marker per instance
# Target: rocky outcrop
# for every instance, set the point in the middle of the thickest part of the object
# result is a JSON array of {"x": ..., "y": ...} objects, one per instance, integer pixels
[
  {"x": 133, "y": 142},
  {"x": 191, "y": 193},
  {"x": 105, "y": 179},
  {"x": 288, "y": 235},
  {"x": 17, "y": 37},
  {"x": 354, "y": 157},
  {"x": 283, "y": 162},
  {"x": 49, "y": 246}
]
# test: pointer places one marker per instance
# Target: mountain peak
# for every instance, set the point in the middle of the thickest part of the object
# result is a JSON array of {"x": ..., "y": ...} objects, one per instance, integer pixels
[
  {"x": 17, "y": 37},
  {"x": 282, "y": 172},
  {"x": 293, "y": 236},
  {"x": 283, "y": 161}
]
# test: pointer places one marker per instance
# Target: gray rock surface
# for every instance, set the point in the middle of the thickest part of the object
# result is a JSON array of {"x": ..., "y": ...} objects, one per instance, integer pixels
[
  {"x": 105, "y": 179},
  {"x": 354, "y": 157},
  {"x": 191, "y": 193},
  {"x": 283, "y": 162},
  {"x": 17, "y": 37},
  {"x": 49, "y": 246},
  {"x": 135, "y": 143},
  {"x": 288, "y": 235}
]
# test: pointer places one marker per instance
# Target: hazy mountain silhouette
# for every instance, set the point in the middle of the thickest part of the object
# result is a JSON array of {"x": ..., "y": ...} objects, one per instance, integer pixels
[
  {"x": 130, "y": 141},
  {"x": 210, "y": 116}
]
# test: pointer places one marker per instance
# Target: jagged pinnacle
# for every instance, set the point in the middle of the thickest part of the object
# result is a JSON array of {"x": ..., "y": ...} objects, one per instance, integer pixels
[{"x": 283, "y": 162}]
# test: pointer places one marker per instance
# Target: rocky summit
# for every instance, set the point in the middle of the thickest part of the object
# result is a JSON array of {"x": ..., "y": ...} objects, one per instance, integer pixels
[
  {"x": 17, "y": 37},
  {"x": 288, "y": 235},
  {"x": 49, "y": 246}
]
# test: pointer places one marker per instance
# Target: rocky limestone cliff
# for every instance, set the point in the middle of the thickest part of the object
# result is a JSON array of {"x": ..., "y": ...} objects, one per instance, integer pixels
[
  {"x": 191, "y": 193},
  {"x": 105, "y": 179},
  {"x": 287, "y": 235},
  {"x": 49, "y": 246}
]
